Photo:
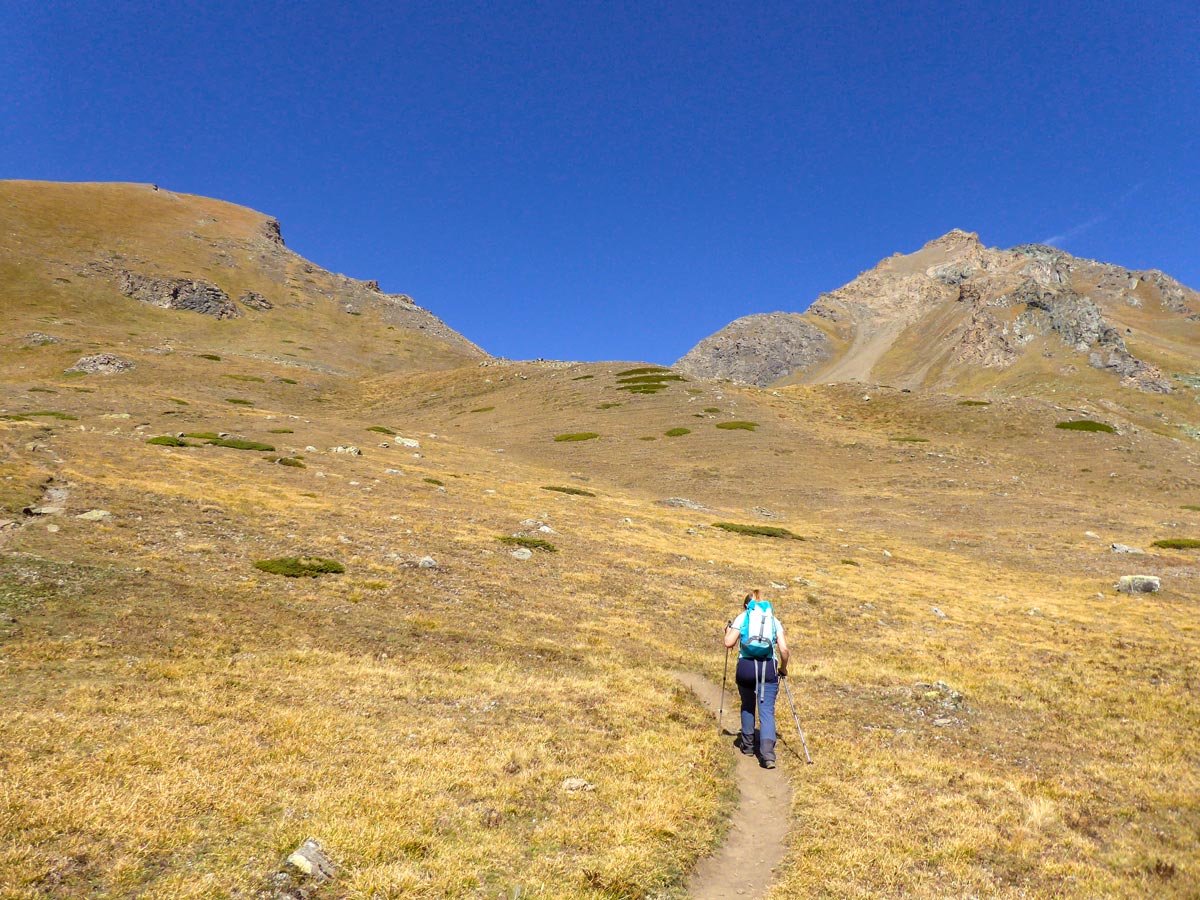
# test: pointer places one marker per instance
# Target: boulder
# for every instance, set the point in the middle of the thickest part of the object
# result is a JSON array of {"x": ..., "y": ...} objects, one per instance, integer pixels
[
  {"x": 1139, "y": 584},
  {"x": 1125, "y": 548},
  {"x": 179, "y": 293},
  {"x": 255, "y": 300},
  {"x": 522, "y": 553},
  {"x": 101, "y": 364}
]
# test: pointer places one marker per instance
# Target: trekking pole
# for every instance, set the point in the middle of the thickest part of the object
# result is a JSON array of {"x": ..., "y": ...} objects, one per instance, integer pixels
[
  {"x": 796, "y": 719},
  {"x": 724, "y": 675}
]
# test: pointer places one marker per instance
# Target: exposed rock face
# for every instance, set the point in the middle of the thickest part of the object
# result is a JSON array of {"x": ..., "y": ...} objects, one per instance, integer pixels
[
  {"x": 957, "y": 306},
  {"x": 179, "y": 293},
  {"x": 758, "y": 349},
  {"x": 255, "y": 300}
]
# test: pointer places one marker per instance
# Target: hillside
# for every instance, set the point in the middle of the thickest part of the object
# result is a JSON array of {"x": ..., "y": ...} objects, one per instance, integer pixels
[
  {"x": 482, "y": 703},
  {"x": 956, "y": 315}
]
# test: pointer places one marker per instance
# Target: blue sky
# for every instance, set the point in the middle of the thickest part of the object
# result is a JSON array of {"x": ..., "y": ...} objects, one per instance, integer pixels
[{"x": 619, "y": 180}]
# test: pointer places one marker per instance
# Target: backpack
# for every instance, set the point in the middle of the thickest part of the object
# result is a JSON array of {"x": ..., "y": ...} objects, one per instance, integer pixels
[{"x": 758, "y": 630}]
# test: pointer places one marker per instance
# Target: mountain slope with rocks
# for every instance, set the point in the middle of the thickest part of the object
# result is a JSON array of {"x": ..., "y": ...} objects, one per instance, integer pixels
[
  {"x": 956, "y": 313},
  {"x": 188, "y": 268}
]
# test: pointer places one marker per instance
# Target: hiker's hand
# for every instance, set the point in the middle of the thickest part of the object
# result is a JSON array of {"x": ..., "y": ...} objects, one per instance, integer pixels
[{"x": 783, "y": 672}]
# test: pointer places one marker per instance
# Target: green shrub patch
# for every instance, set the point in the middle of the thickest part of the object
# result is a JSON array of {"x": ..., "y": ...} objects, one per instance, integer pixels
[
  {"x": 577, "y": 436},
  {"x": 52, "y": 414},
  {"x": 203, "y": 435},
  {"x": 578, "y": 492},
  {"x": 289, "y": 380},
  {"x": 1086, "y": 425},
  {"x": 483, "y": 409},
  {"x": 677, "y": 432},
  {"x": 607, "y": 405},
  {"x": 254, "y": 378},
  {"x": 737, "y": 426},
  {"x": 300, "y": 566},
  {"x": 237, "y": 401},
  {"x": 651, "y": 379},
  {"x": 1191, "y": 507},
  {"x": 434, "y": 481},
  {"x": 211, "y": 356},
  {"x": 974, "y": 402},
  {"x": 1177, "y": 544},
  {"x": 711, "y": 409},
  {"x": 644, "y": 370},
  {"x": 174, "y": 400},
  {"x": 582, "y": 377},
  {"x": 528, "y": 542},
  {"x": 909, "y": 440},
  {"x": 381, "y": 430},
  {"x": 291, "y": 462},
  {"x": 281, "y": 431},
  {"x": 169, "y": 440},
  {"x": 850, "y": 562},
  {"x": 237, "y": 444},
  {"x": 760, "y": 530}
]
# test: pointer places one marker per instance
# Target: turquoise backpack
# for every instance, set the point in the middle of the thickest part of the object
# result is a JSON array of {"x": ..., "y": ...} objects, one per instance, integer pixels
[{"x": 758, "y": 630}]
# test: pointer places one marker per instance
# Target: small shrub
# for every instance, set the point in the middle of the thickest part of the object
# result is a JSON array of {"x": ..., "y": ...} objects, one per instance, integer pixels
[
  {"x": 1191, "y": 507},
  {"x": 291, "y": 462},
  {"x": 578, "y": 492},
  {"x": 582, "y": 377},
  {"x": 850, "y": 562},
  {"x": 168, "y": 440},
  {"x": 289, "y": 381},
  {"x": 203, "y": 435},
  {"x": 14, "y": 418},
  {"x": 281, "y": 431},
  {"x": 737, "y": 426},
  {"x": 974, "y": 402},
  {"x": 483, "y": 409},
  {"x": 909, "y": 440},
  {"x": 211, "y": 356},
  {"x": 300, "y": 567},
  {"x": 52, "y": 414},
  {"x": 1177, "y": 544},
  {"x": 643, "y": 388},
  {"x": 76, "y": 373},
  {"x": 42, "y": 390},
  {"x": 434, "y": 481},
  {"x": 607, "y": 405},
  {"x": 1086, "y": 425},
  {"x": 644, "y": 370},
  {"x": 677, "y": 432},
  {"x": 577, "y": 436},
  {"x": 254, "y": 378},
  {"x": 237, "y": 444},
  {"x": 528, "y": 542},
  {"x": 711, "y": 409},
  {"x": 175, "y": 400},
  {"x": 651, "y": 379},
  {"x": 760, "y": 530},
  {"x": 381, "y": 430},
  {"x": 648, "y": 438}
]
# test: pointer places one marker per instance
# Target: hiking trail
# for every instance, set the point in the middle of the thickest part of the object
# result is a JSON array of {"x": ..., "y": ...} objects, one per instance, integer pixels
[{"x": 743, "y": 867}]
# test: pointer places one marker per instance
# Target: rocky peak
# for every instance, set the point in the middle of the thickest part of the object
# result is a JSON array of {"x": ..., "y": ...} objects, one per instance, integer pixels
[{"x": 954, "y": 238}]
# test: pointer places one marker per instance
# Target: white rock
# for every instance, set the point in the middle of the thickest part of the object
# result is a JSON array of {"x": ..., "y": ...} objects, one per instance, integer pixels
[
  {"x": 94, "y": 515},
  {"x": 777, "y": 586},
  {"x": 1124, "y": 548},
  {"x": 1091, "y": 534},
  {"x": 407, "y": 442},
  {"x": 937, "y": 612},
  {"x": 522, "y": 553},
  {"x": 427, "y": 562},
  {"x": 575, "y": 785},
  {"x": 547, "y": 530},
  {"x": 52, "y": 528}
]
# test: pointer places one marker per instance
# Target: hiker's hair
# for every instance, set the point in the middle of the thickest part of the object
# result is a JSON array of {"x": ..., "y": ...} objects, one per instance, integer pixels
[{"x": 750, "y": 596}]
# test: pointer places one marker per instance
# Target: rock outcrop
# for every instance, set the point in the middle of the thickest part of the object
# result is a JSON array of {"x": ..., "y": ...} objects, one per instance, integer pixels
[
  {"x": 953, "y": 307},
  {"x": 758, "y": 349},
  {"x": 179, "y": 293}
]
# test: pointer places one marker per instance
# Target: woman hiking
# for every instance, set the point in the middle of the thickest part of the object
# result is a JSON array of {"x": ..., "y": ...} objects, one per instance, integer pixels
[{"x": 760, "y": 637}]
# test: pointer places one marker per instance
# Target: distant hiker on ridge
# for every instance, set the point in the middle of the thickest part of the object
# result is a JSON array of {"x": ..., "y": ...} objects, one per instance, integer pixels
[{"x": 760, "y": 636}]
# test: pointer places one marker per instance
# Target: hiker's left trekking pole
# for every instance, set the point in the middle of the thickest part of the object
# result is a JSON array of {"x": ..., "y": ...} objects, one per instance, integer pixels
[
  {"x": 796, "y": 718},
  {"x": 724, "y": 675}
]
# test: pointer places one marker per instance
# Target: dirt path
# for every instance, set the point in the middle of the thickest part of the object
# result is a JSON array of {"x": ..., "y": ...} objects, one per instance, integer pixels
[{"x": 743, "y": 867}]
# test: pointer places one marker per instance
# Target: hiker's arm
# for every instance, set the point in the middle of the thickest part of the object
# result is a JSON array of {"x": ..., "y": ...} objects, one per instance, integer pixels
[
  {"x": 781, "y": 645},
  {"x": 731, "y": 636}
]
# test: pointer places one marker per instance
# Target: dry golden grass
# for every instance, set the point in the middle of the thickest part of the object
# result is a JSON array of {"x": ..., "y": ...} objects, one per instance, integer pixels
[{"x": 178, "y": 721}]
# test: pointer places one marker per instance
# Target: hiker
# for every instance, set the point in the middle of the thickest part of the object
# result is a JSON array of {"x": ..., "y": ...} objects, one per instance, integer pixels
[{"x": 760, "y": 637}]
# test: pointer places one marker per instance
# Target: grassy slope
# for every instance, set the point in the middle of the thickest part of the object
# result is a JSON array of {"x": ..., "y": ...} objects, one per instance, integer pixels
[{"x": 178, "y": 720}]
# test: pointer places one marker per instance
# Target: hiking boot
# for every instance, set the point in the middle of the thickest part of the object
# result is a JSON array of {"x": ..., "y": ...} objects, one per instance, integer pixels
[
  {"x": 768, "y": 754},
  {"x": 745, "y": 744}
]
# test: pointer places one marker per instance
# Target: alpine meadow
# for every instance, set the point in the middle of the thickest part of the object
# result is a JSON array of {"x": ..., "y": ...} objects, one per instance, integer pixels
[{"x": 285, "y": 558}]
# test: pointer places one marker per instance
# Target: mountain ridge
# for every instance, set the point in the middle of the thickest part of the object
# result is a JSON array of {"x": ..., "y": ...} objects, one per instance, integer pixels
[{"x": 939, "y": 315}]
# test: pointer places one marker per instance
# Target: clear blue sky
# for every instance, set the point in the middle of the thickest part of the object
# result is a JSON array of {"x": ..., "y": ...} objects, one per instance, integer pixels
[{"x": 619, "y": 180}]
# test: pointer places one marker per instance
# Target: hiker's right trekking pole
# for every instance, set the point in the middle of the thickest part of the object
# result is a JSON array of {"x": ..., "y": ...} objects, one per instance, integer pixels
[
  {"x": 796, "y": 718},
  {"x": 724, "y": 675}
]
